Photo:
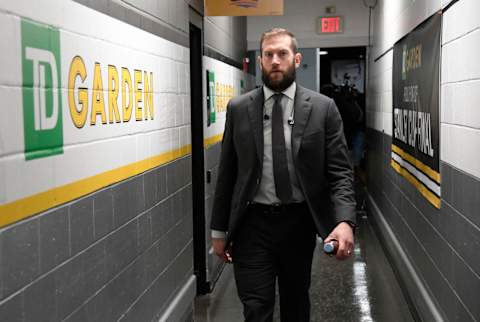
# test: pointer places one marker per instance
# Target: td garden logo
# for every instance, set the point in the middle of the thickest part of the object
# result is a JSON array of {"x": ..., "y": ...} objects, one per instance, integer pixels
[
  {"x": 411, "y": 59},
  {"x": 122, "y": 96},
  {"x": 42, "y": 99}
]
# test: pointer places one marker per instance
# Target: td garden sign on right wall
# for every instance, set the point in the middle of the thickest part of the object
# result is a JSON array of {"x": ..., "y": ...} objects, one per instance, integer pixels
[{"x": 415, "y": 137}]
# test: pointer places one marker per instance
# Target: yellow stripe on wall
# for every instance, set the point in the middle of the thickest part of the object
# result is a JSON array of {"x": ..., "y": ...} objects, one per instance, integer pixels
[
  {"x": 431, "y": 197},
  {"x": 434, "y": 175},
  {"x": 29, "y": 206},
  {"x": 212, "y": 140}
]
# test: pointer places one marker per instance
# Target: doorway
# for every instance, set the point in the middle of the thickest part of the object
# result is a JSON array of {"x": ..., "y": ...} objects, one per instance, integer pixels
[
  {"x": 343, "y": 66},
  {"x": 343, "y": 78},
  {"x": 198, "y": 170}
]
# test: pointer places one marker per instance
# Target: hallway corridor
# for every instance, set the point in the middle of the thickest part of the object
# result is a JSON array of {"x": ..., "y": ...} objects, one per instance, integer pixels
[{"x": 361, "y": 289}]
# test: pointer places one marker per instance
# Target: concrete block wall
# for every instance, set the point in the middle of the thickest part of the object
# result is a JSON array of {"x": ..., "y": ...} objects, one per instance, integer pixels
[
  {"x": 166, "y": 18},
  {"x": 227, "y": 36},
  {"x": 434, "y": 250},
  {"x": 121, "y": 253},
  {"x": 111, "y": 238},
  {"x": 224, "y": 44}
]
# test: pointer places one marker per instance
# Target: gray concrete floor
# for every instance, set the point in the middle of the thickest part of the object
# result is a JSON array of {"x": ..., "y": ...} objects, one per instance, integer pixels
[{"x": 362, "y": 288}]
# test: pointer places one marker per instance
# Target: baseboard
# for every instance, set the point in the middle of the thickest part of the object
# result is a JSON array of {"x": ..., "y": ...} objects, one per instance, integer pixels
[
  {"x": 422, "y": 305},
  {"x": 181, "y": 303}
]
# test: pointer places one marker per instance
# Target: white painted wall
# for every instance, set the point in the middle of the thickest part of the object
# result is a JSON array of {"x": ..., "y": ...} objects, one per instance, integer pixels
[
  {"x": 394, "y": 19},
  {"x": 173, "y": 13},
  {"x": 300, "y": 17},
  {"x": 379, "y": 94},
  {"x": 93, "y": 149},
  {"x": 460, "y": 87},
  {"x": 460, "y": 74}
]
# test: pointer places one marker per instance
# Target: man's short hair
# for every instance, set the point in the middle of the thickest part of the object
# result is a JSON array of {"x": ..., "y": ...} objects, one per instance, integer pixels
[{"x": 278, "y": 32}]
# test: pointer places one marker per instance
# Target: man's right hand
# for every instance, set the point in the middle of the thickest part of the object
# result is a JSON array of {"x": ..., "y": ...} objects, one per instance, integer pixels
[{"x": 219, "y": 246}]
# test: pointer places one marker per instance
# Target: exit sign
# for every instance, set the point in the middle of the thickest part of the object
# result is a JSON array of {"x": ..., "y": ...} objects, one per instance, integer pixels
[{"x": 330, "y": 25}]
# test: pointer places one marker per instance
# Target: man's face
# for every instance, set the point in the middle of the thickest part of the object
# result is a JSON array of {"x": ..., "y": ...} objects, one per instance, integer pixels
[{"x": 278, "y": 62}]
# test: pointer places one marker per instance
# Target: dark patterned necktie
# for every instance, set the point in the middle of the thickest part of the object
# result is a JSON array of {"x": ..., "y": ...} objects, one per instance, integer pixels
[{"x": 279, "y": 154}]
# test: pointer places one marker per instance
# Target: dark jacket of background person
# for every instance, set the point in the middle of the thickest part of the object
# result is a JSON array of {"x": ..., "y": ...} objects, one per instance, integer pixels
[{"x": 350, "y": 110}]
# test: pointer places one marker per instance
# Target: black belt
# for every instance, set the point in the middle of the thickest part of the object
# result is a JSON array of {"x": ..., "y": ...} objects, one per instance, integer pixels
[{"x": 278, "y": 209}]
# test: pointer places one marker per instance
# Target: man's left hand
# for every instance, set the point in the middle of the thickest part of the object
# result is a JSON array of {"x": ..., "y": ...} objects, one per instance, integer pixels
[{"x": 343, "y": 233}]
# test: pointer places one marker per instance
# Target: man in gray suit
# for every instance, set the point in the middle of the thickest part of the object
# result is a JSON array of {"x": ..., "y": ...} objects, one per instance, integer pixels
[{"x": 284, "y": 176}]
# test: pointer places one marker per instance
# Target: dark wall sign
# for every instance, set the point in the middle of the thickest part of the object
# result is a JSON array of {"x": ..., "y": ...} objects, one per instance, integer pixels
[{"x": 416, "y": 122}]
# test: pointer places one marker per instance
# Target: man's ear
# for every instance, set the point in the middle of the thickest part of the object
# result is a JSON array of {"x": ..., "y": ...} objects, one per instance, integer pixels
[{"x": 298, "y": 59}]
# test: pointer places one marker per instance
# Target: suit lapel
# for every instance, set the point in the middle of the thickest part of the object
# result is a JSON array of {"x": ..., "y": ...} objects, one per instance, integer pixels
[
  {"x": 255, "y": 114},
  {"x": 302, "y": 108}
]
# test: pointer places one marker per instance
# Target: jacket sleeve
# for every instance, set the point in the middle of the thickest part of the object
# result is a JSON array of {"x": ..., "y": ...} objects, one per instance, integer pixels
[
  {"x": 227, "y": 174},
  {"x": 338, "y": 168}
]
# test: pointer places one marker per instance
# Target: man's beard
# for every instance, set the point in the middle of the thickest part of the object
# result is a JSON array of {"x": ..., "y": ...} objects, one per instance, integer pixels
[{"x": 281, "y": 84}]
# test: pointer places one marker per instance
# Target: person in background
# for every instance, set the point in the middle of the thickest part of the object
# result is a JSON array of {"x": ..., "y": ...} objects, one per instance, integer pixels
[
  {"x": 284, "y": 176},
  {"x": 350, "y": 110},
  {"x": 347, "y": 100}
]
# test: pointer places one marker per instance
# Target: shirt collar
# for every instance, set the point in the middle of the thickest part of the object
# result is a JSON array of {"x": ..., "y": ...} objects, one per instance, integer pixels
[{"x": 289, "y": 91}]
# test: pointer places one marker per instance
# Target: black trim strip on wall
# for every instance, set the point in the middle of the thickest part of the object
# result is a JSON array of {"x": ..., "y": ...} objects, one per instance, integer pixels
[
  {"x": 449, "y": 5},
  {"x": 209, "y": 52},
  {"x": 380, "y": 57},
  {"x": 133, "y": 16}
]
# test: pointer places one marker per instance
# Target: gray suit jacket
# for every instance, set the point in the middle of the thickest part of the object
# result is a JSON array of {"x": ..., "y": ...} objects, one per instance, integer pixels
[{"x": 320, "y": 155}]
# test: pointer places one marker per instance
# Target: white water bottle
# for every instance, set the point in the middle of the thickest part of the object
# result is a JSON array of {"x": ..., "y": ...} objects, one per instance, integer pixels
[{"x": 331, "y": 247}]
